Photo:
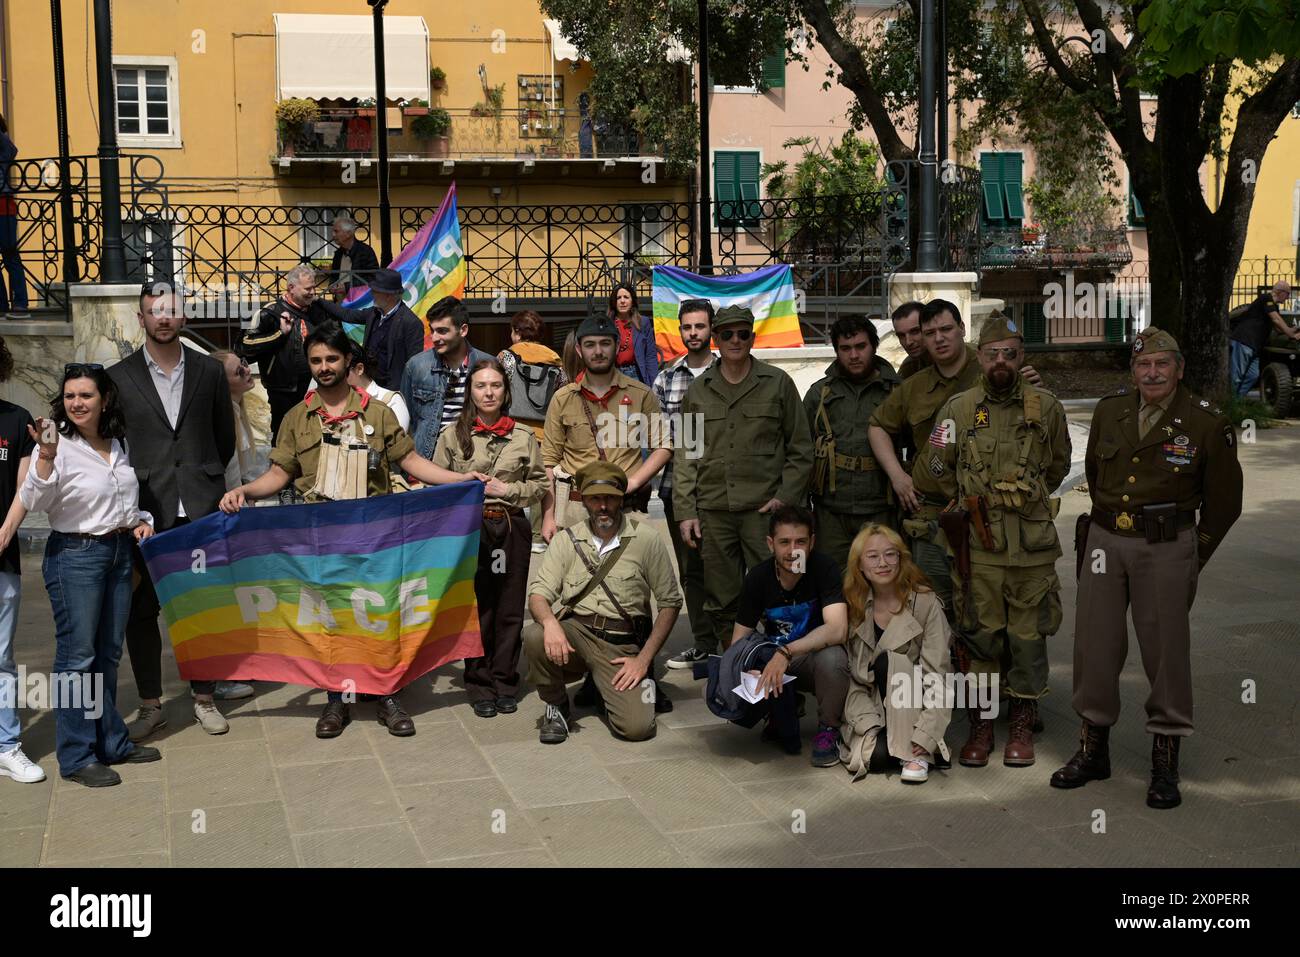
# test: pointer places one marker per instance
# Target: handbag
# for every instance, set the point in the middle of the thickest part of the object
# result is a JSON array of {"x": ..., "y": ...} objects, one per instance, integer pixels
[{"x": 532, "y": 386}]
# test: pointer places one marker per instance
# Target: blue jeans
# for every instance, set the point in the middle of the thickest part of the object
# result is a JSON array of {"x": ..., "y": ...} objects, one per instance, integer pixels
[
  {"x": 11, "y": 590},
  {"x": 89, "y": 581},
  {"x": 1243, "y": 364},
  {"x": 13, "y": 264}
]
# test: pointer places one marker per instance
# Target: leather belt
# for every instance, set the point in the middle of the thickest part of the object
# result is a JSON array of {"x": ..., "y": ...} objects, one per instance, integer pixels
[
  {"x": 856, "y": 463},
  {"x": 500, "y": 511},
  {"x": 104, "y": 537},
  {"x": 1133, "y": 523},
  {"x": 605, "y": 625}
]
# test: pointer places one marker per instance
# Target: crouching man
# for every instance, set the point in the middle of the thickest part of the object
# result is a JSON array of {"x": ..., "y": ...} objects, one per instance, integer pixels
[{"x": 603, "y": 573}]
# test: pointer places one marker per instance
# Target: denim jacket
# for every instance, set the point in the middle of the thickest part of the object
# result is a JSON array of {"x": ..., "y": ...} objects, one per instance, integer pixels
[{"x": 424, "y": 386}]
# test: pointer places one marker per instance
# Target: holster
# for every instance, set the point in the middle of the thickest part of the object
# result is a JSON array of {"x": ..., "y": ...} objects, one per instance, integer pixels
[
  {"x": 1160, "y": 522},
  {"x": 978, "y": 510},
  {"x": 1081, "y": 526},
  {"x": 956, "y": 527}
]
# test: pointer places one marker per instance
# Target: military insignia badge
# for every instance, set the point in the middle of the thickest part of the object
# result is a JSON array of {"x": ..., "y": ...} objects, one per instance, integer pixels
[
  {"x": 981, "y": 416},
  {"x": 1137, "y": 346},
  {"x": 1229, "y": 436},
  {"x": 1182, "y": 440},
  {"x": 1205, "y": 403},
  {"x": 936, "y": 466},
  {"x": 1011, "y": 326},
  {"x": 1169, "y": 430}
]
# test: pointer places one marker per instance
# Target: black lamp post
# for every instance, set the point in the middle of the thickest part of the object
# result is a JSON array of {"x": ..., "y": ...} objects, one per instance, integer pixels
[
  {"x": 927, "y": 246},
  {"x": 706, "y": 195},
  {"x": 381, "y": 114},
  {"x": 70, "y": 270},
  {"x": 112, "y": 253}
]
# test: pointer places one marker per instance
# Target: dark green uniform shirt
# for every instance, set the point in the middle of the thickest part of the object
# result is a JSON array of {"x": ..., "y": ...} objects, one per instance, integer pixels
[
  {"x": 848, "y": 408},
  {"x": 1189, "y": 457},
  {"x": 909, "y": 413}
]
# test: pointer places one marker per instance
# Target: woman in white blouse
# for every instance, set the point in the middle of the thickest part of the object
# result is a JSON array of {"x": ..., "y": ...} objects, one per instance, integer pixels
[{"x": 81, "y": 478}]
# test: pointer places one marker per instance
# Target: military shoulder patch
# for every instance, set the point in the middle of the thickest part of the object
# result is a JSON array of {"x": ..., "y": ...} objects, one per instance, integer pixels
[
  {"x": 1229, "y": 436},
  {"x": 936, "y": 466},
  {"x": 981, "y": 416}
]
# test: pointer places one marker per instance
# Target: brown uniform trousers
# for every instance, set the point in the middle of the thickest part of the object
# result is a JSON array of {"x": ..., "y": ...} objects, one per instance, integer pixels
[
  {"x": 631, "y": 713},
  {"x": 501, "y": 588}
]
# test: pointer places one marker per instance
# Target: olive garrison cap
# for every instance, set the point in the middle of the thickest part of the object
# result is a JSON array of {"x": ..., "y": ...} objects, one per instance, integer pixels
[
  {"x": 601, "y": 478},
  {"x": 1152, "y": 339},
  {"x": 730, "y": 315},
  {"x": 998, "y": 327},
  {"x": 597, "y": 326}
]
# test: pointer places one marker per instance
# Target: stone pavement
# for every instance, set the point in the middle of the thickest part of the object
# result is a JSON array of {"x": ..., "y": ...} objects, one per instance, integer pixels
[{"x": 467, "y": 791}]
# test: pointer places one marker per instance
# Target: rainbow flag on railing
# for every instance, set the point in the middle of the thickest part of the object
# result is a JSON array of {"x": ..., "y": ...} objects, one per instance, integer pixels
[
  {"x": 769, "y": 292},
  {"x": 361, "y": 596},
  {"x": 432, "y": 265}
]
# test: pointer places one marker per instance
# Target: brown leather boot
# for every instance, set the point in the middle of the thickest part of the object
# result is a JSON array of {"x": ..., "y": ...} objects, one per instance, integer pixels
[
  {"x": 1019, "y": 752},
  {"x": 1163, "y": 792},
  {"x": 975, "y": 752},
  {"x": 1090, "y": 763}
]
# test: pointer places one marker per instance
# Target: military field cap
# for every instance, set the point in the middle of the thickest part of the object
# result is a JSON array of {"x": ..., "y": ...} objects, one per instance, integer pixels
[
  {"x": 597, "y": 326},
  {"x": 1152, "y": 339},
  {"x": 998, "y": 327},
  {"x": 601, "y": 478},
  {"x": 730, "y": 315},
  {"x": 386, "y": 280}
]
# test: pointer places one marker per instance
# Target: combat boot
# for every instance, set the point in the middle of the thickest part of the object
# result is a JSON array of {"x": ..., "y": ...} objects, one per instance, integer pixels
[
  {"x": 1019, "y": 752},
  {"x": 1163, "y": 792},
  {"x": 975, "y": 752},
  {"x": 1090, "y": 763}
]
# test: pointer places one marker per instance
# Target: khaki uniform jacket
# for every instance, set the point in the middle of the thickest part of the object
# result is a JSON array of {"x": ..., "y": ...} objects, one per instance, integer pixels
[
  {"x": 515, "y": 459},
  {"x": 756, "y": 444},
  {"x": 298, "y": 447},
  {"x": 915, "y": 637},
  {"x": 644, "y": 569},
  {"x": 848, "y": 410},
  {"x": 632, "y": 421},
  {"x": 910, "y": 411},
  {"x": 989, "y": 436},
  {"x": 1189, "y": 457}
]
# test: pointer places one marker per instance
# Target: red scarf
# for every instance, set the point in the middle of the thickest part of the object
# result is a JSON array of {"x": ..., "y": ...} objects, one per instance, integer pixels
[
  {"x": 348, "y": 414},
  {"x": 602, "y": 401},
  {"x": 501, "y": 428}
]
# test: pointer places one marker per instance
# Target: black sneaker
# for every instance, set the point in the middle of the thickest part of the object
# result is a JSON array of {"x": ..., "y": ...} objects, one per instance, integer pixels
[
  {"x": 555, "y": 729},
  {"x": 791, "y": 745},
  {"x": 687, "y": 659},
  {"x": 663, "y": 703},
  {"x": 826, "y": 747}
]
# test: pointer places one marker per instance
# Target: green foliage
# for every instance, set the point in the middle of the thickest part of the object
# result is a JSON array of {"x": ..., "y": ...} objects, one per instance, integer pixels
[
  {"x": 1187, "y": 35},
  {"x": 849, "y": 168},
  {"x": 295, "y": 113},
  {"x": 437, "y": 74},
  {"x": 437, "y": 122},
  {"x": 1240, "y": 409}
]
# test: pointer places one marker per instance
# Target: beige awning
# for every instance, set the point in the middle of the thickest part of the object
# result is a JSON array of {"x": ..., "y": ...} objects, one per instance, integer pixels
[
  {"x": 332, "y": 56},
  {"x": 561, "y": 45}
]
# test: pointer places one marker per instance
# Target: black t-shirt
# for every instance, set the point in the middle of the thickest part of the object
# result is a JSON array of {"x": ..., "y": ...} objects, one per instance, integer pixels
[
  {"x": 1255, "y": 327},
  {"x": 789, "y": 615},
  {"x": 15, "y": 445}
]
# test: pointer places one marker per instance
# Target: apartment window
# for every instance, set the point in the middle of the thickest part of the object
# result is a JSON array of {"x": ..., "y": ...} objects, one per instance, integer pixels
[
  {"x": 771, "y": 76},
  {"x": 315, "y": 236},
  {"x": 647, "y": 234},
  {"x": 148, "y": 105},
  {"x": 1137, "y": 217},
  {"x": 735, "y": 188},
  {"x": 1004, "y": 203}
]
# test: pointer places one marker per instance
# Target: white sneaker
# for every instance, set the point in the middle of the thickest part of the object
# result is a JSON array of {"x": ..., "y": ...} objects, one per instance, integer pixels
[
  {"x": 916, "y": 771},
  {"x": 209, "y": 718},
  {"x": 14, "y": 764}
]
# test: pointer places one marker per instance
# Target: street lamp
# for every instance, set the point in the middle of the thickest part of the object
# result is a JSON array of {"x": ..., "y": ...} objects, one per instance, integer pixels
[
  {"x": 927, "y": 245},
  {"x": 112, "y": 267},
  {"x": 706, "y": 235},
  {"x": 381, "y": 114}
]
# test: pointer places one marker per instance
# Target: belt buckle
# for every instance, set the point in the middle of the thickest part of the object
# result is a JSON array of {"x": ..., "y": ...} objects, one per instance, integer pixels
[{"x": 1124, "y": 522}]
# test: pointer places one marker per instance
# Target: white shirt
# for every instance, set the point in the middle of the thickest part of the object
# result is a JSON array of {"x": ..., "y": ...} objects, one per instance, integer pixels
[
  {"x": 84, "y": 493},
  {"x": 170, "y": 388},
  {"x": 394, "y": 401},
  {"x": 603, "y": 548}
]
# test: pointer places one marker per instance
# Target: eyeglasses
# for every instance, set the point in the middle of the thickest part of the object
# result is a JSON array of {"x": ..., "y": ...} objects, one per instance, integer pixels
[
  {"x": 882, "y": 558},
  {"x": 73, "y": 367},
  {"x": 1009, "y": 353},
  {"x": 744, "y": 335}
]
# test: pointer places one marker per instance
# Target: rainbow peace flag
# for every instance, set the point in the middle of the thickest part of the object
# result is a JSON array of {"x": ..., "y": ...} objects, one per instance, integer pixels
[
  {"x": 432, "y": 265},
  {"x": 769, "y": 292},
  {"x": 363, "y": 595}
]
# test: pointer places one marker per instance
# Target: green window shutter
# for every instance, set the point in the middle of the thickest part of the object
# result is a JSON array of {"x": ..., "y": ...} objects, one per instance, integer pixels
[
  {"x": 773, "y": 71},
  {"x": 1136, "y": 214},
  {"x": 726, "y": 189},
  {"x": 1012, "y": 177},
  {"x": 1035, "y": 323},
  {"x": 994, "y": 212},
  {"x": 747, "y": 167},
  {"x": 1015, "y": 203}
]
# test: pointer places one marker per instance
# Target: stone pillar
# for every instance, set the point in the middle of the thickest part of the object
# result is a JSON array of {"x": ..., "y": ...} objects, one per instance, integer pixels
[
  {"x": 956, "y": 287},
  {"x": 104, "y": 324},
  {"x": 40, "y": 349}
]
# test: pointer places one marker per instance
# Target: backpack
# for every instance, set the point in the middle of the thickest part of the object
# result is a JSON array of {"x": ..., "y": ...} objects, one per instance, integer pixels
[{"x": 532, "y": 384}]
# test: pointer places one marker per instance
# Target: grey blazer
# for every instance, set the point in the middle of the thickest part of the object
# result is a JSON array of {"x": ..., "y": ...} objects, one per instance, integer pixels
[{"x": 186, "y": 464}]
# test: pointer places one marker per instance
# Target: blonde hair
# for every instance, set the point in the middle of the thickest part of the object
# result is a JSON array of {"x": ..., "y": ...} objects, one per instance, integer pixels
[
  {"x": 909, "y": 579},
  {"x": 241, "y": 414}
]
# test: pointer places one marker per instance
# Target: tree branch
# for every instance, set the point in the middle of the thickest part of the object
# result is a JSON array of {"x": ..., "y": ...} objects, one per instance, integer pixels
[{"x": 1047, "y": 47}]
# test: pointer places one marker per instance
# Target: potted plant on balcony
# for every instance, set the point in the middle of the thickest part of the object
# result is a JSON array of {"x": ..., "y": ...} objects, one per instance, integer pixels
[
  {"x": 366, "y": 107},
  {"x": 416, "y": 107},
  {"x": 1029, "y": 233},
  {"x": 293, "y": 116},
  {"x": 433, "y": 128},
  {"x": 438, "y": 78}
]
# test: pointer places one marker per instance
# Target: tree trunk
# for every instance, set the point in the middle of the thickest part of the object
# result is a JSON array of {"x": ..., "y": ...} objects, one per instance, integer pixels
[
  {"x": 1208, "y": 270},
  {"x": 1164, "y": 272}
]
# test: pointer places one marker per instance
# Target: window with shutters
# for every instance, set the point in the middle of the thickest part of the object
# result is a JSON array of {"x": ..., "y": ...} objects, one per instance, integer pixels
[
  {"x": 735, "y": 188},
  {"x": 148, "y": 102},
  {"x": 774, "y": 71},
  {"x": 1137, "y": 217},
  {"x": 771, "y": 76},
  {"x": 1001, "y": 175}
]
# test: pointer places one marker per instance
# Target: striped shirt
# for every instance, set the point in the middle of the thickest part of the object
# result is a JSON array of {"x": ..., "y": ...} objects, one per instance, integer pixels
[
  {"x": 454, "y": 401},
  {"x": 670, "y": 389}
]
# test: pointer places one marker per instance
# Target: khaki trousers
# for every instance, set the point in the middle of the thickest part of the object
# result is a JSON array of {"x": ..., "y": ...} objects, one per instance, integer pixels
[
  {"x": 1158, "y": 581},
  {"x": 631, "y": 713},
  {"x": 1012, "y": 610},
  {"x": 732, "y": 543}
]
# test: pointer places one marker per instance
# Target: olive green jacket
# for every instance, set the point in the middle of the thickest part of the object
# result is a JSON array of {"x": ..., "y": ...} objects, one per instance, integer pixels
[
  {"x": 755, "y": 445},
  {"x": 848, "y": 409}
]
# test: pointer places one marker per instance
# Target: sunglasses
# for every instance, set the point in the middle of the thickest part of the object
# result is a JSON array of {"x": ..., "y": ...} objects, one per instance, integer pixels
[
  {"x": 744, "y": 335},
  {"x": 81, "y": 367}
]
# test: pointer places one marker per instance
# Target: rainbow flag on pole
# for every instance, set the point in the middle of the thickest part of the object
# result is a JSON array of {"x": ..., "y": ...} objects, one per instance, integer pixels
[
  {"x": 432, "y": 265},
  {"x": 769, "y": 292},
  {"x": 363, "y": 595}
]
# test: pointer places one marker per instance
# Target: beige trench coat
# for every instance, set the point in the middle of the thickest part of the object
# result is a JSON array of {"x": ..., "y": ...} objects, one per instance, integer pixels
[{"x": 916, "y": 641}]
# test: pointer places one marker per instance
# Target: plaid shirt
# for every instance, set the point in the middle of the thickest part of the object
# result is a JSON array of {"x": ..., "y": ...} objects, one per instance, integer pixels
[{"x": 670, "y": 387}]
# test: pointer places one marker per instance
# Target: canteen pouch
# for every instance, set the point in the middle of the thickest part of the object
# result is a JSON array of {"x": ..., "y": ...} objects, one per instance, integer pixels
[{"x": 1160, "y": 522}]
